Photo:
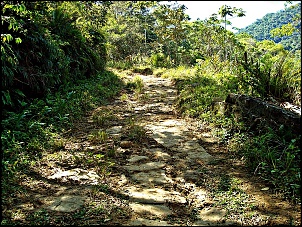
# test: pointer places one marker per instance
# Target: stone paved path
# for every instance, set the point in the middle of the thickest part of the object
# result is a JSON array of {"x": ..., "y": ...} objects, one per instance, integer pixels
[
  {"x": 161, "y": 182},
  {"x": 158, "y": 170}
]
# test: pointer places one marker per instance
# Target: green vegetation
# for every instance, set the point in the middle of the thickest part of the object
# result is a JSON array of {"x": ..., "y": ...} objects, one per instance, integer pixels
[
  {"x": 28, "y": 133},
  {"x": 37, "y": 49},
  {"x": 101, "y": 117},
  {"x": 228, "y": 194},
  {"x": 282, "y": 27},
  {"x": 275, "y": 160},
  {"x": 273, "y": 155},
  {"x": 135, "y": 132},
  {"x": 55, "y": 70}
]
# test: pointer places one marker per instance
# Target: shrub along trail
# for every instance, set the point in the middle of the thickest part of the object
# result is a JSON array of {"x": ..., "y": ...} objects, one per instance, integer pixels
[{"x": 137, "y": 162}]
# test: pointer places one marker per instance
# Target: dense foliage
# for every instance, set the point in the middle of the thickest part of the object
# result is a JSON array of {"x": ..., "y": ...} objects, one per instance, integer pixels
[
  {"x": 162, "y": 35},
  {"x": 38, "y": 51},
  {"x": 54, "y": 57},
  {"x": 261, "y": 29},
  {"x": 38, "y": 41}
]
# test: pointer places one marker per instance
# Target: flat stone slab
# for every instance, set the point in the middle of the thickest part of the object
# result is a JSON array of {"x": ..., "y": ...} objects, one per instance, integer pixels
[
  {"x": 159, "y": 107},
  {"x": 160, "y": 155},
  {"x": 65, "y": 203},
  {"x": 115, "y": 130},
  {"x": 145, "y": 167},
  {"x": 211, "y": 214},
  {"x": 193, "y": 151},
  {"x": 153, "y": 195},
  {"x": 167, "y": 136},
  {"x": 203, "y": 156},
  {"x": 140, "y": 108},
  {"x": 153, "y": 209},
  {"x": 169, "y": 132},
  {"x": 137, "y": 158},
  {"x": 155, "y": 177},
  {"x": 171, "y": 123},
  {"x": 187, "y": 146},
  {"x": 80, "y": 175},
  {"x": 147, "y": 222}
]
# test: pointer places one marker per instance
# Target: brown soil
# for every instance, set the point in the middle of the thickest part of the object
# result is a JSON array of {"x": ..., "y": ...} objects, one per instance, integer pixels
[{"x": 106, "y": 205}]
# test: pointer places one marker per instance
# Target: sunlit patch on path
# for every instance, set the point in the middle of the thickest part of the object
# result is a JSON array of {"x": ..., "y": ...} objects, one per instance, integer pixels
[{"x": 136, "y": 162}]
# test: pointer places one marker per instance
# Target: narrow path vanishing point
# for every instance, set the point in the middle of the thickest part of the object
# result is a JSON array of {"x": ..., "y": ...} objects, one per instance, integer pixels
[
  {"x": 162, "y": 170},
  {"x": 165, "y": 175}
]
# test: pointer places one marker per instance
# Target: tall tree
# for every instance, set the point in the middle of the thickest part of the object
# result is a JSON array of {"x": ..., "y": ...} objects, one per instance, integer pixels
[
  {"x": 170, "y": 27},
  {"x": 129, "y": 23},
  {"x": 225, "y": 11}
]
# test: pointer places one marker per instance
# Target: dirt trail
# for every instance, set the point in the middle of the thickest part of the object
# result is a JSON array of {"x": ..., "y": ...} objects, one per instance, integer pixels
[{"x": 167, "y": 170}]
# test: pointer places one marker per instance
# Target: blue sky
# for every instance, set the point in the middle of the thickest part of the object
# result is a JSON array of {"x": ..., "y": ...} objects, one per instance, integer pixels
[{"x": 254, "y": 10}]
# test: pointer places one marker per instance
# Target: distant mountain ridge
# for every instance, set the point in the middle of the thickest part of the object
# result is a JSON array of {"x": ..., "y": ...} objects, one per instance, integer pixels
[{"x": 260, "y": 29}]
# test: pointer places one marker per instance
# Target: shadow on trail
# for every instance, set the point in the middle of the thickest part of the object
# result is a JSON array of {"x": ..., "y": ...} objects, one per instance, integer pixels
[{"x": 163, "y": 177}]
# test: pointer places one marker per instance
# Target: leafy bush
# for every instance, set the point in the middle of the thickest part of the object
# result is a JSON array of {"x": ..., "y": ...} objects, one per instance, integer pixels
[
  {"x": 53, "y": 46},
  {"x": 120, "y": 64},
  {"x": 275, "y": 160},
  {"x": 161, "y": 60},
  {"x": 272, "y": 71},
  {"x": 201, "y": 86},
  {"x": 137, "y": 85},
  {"x": 275, "y": 156},
  {"x": 26, "y": 134}
]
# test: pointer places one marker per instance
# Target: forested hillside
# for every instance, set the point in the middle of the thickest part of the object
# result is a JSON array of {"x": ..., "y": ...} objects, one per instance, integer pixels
[
  {"x": 261, "y": 29},
  {"x": 72, "y": 94}
]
